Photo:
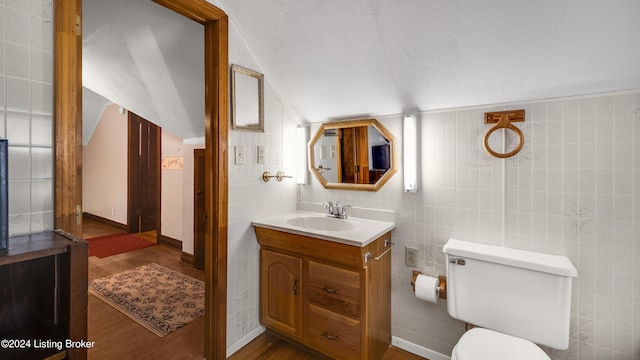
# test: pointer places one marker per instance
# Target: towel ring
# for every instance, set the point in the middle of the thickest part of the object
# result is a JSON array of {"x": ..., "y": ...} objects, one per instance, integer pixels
[{"x": 504, "y": 123}]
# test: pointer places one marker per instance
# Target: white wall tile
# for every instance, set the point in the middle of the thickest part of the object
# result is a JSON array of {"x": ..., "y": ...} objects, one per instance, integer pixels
[
  {"x": 41, "y": 98},
  {"x": 41, "y": 130},
  {"x": 41, "y": 66},
  {"x": 19, "y": 163},
  {"x": 576, "y": 193},
  {"x": 41, "y": 33},
  {"x": 17, "y": 26},
  {"x": 17, "y": 91},
  {"x": 18, "y": 127},
  {"x": 41, "y": 195},
  {"x": 26, "y": 77},
  {"x": 41, "y": 163},
  {"x": 17, "y": 60}
]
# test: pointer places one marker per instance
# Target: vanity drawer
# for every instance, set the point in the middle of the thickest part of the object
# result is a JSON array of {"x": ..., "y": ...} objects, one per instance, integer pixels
[
  {"x": 333, "y": 334},
  {"x": 335, "y": 288}
]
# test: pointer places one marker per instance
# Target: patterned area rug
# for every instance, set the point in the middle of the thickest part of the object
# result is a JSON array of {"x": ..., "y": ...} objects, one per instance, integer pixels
[{"x": 159, "y": 299}]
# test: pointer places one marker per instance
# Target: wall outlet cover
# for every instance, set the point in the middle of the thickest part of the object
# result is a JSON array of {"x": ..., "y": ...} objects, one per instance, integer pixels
[
  {"x": 239, "y": 155},
  {"x": 411, "y": 256}
]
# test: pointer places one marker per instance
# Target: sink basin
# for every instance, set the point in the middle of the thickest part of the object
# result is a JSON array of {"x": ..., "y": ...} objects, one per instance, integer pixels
[
  {"x": 352, "y": 231},
  {"x": 321, "y": 223}
]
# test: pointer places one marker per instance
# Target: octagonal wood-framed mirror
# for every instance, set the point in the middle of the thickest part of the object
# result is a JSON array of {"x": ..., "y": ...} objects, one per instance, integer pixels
[{"x": 353, "y": 155}]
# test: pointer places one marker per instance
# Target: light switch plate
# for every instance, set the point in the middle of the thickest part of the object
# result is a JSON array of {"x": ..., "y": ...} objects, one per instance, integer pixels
[
  {"x": 239, "y": 155},
  {"x": 323, "y": 152},
  {"x": 261, "y": 156}
]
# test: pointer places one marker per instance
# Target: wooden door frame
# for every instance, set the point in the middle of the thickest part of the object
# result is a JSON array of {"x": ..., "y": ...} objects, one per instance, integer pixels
[{"x": 68, "y": 143}]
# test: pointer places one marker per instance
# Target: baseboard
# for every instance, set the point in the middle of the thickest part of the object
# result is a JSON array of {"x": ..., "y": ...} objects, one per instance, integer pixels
[
  {"x": 245, "y": 340},
  {"x": 187, "y": 258},
  {"x": 418, "y": 349},
  {"x": 171, "y": 242},
  {"x": 105, "y": 221},
  {"x": 395, "y": 341}
]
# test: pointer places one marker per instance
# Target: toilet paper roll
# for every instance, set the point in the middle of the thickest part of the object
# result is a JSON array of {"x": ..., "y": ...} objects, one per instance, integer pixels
[{"x": 428, "y": 288}]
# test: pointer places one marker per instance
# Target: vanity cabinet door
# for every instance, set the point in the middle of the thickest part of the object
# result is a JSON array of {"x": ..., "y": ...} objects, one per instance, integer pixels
[{"x": 281, "y": 296}]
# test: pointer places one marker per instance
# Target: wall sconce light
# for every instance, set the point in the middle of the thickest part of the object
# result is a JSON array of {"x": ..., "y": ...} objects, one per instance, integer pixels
[
  {"x": 302, "y": 137},
  {"x": 410, "y": 153}
]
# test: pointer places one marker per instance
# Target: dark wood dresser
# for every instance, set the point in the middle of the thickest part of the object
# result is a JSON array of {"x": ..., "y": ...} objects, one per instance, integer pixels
[{"x": 43, "y": 297}]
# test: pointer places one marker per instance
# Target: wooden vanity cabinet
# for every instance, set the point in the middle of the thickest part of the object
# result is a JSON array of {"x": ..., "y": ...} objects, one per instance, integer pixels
[{"x": 331, "y": 297}]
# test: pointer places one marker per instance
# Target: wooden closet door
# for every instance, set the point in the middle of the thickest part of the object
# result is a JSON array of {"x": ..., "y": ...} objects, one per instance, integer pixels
[{"x": 144, "y": 174}]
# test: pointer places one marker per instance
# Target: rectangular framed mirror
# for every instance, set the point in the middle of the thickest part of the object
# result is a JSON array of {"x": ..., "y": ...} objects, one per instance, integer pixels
[{"x": 247, "y": 99}]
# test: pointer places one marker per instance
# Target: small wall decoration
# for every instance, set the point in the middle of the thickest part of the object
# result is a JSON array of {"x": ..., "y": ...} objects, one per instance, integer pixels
[{"x": 173, "y": 163}]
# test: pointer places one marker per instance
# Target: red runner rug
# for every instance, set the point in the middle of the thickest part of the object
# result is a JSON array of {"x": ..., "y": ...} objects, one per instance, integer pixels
[{"x": 104, "y": 246}]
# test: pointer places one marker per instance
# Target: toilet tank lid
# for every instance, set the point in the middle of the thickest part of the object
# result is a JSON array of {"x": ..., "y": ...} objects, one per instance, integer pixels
[{"x": 553, "y": 264}]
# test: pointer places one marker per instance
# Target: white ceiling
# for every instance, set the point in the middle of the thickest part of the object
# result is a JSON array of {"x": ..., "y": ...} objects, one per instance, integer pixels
[
  {"x": 145, "y": 58},
  {"x": 336, "y": 58},
  {"x": 340, "y": 59}
]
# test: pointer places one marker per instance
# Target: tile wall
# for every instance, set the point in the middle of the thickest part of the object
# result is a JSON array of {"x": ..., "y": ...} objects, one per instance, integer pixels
[
  {"x": 26, "y": 106},
  {"x": 251, "y": 198},
  {"x": 574, "y": 190}
]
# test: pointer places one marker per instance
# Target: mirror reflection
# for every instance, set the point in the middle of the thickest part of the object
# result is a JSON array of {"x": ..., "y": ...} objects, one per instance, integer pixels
[
  {"x": 356, "y": 155},
  {"x": 247, "y": 99}
]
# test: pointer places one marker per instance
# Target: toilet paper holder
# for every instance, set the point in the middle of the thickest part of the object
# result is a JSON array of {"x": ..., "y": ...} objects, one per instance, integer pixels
[{"x": 442, "y": 287}]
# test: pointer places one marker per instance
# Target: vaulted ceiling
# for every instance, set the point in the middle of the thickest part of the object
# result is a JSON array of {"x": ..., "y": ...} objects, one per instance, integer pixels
[
  {"x": 145, "y": 58},
  {"x": 339, "y": 59}
]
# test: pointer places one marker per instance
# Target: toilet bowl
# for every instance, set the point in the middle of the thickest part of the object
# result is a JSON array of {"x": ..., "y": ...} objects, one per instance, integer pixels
[{"x": 483, "y": 344}]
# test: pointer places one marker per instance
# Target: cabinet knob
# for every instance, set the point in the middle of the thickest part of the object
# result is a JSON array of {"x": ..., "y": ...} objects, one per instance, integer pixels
[{"x": 295, "y": 287}]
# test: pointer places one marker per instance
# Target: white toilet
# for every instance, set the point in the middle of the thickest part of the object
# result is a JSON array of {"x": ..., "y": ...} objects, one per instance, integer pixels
[{"x": 516, "y": 298}]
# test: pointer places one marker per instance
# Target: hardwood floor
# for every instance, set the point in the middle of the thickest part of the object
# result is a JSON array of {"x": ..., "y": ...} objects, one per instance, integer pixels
[
  {"x": 116, "y": 336},
  {"x": 270, "y": 346}
]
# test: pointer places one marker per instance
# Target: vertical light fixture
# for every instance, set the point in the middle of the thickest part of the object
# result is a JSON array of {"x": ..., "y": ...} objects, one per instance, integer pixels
[
  {"x": 302, "y": 137},
  {"x": 410, "y": 153}
]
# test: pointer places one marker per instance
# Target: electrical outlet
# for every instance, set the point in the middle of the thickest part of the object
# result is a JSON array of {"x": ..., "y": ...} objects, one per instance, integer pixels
[{"x": 410, "y": 256}]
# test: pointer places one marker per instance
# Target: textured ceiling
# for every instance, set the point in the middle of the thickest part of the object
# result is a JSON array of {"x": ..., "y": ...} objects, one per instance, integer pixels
[
  {"x": 335, "y": 58},
  {"x": 341, "y": 59}
]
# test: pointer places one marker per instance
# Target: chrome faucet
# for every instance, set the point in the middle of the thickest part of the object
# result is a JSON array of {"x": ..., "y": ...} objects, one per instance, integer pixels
[{"x": 336, "y": 210}]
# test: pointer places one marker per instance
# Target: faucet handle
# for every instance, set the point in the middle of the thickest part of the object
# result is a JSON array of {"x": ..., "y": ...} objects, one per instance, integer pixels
[{"x": 342, "y": 210}]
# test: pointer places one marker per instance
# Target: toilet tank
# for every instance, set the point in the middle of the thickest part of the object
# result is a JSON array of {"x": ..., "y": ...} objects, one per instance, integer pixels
[{"x": 522, "y": 293}]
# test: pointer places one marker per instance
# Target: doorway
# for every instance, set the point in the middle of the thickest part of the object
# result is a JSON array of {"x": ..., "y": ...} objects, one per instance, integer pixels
[
  {"x": 68, "y": 149},
  {"x": 353, "y": 146}
]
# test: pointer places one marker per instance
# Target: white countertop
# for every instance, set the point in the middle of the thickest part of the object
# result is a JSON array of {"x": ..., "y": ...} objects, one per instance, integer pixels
[{"x": 363, "y": 232}]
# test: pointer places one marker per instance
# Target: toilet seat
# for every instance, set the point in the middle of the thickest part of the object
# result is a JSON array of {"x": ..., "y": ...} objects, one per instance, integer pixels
[{"x": 481, "y": 344}]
